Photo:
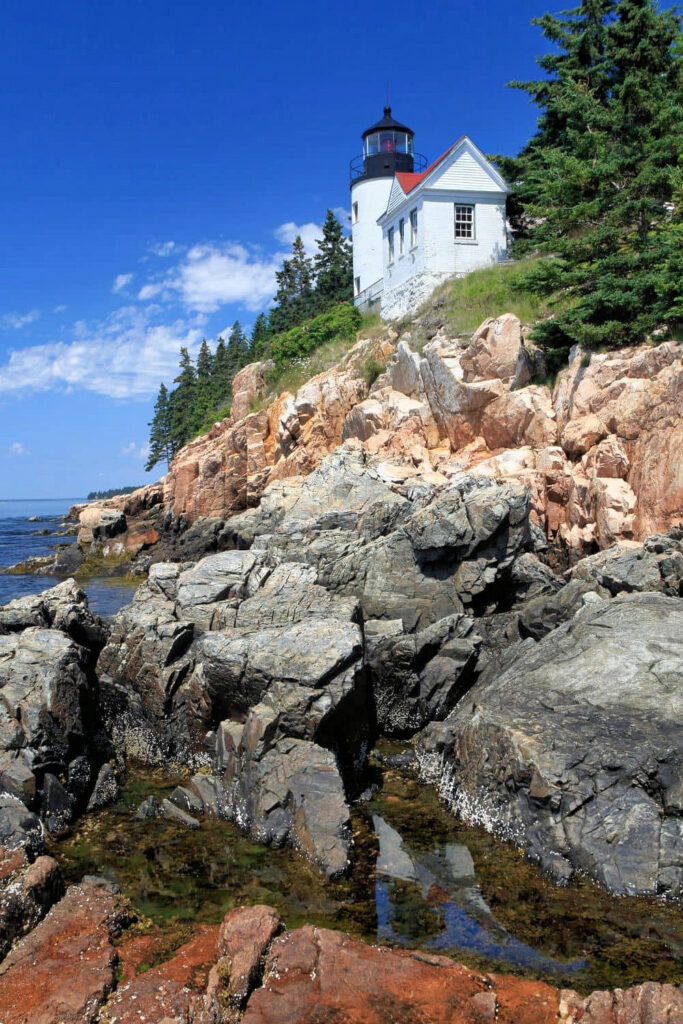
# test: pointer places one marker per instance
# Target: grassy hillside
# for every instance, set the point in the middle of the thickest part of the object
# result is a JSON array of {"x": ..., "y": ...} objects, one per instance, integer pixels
[{"x": 465, "y": 302}]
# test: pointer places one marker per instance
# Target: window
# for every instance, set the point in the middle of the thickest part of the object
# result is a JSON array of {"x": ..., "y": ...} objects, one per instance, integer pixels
[
  {"x": 354, "y": 213},
  {"x": 372, "y": 144},
  {"x": 390, "y": 240},
  {"x": 401, "y": 236},
  {"x": 464, "y": 221},
  {"x": 356, "y": 286},
  {"x": 413, "y": 228}
]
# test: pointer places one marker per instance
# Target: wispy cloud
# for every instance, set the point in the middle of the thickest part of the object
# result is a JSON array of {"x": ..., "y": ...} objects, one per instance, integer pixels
[
  {"x": 121, "y": 281},
  {"x": 162, "y": 248},
  {"x": 310, "y": 233},
  {"x": 213, "y": 275},
  {"x": 59, "y": 309},
  {"x": 135, "y": 451},
  {"x": 19, "y": 320},
  {"x": 125, "y": 355},
  {"x": 18, "y": 449}
]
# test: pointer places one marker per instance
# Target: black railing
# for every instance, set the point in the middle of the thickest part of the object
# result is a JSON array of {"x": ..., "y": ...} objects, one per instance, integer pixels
[{"x": 366, "y": 167}]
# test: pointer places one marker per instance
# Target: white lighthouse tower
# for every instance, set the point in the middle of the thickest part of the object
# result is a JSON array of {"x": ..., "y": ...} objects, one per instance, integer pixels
[{"x": 387, "y": 149}]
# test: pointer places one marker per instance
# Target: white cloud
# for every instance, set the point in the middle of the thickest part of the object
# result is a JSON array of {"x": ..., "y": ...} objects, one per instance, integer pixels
[
  {"x": 212, "y": 275},
  {"x": 135, "y": 451},
  {"x": 124, "y": 356},
  {"x": 18, "y": 449},
  {"x": 121, "y": 281},
  {"x": 310, "y": 233},
  {"x": 19, "y": 320},
  {"x": 59, "y": 309},
  {"x": 162, "y": 248}
]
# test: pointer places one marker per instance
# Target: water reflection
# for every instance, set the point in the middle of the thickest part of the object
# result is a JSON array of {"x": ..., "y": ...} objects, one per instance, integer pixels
[{"x": 433, "y": 900}]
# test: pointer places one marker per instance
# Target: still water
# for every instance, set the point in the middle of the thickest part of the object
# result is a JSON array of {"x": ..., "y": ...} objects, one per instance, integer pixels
[
  {"x": 419, "y": 879},
  {"x": 23, "y": 526}
]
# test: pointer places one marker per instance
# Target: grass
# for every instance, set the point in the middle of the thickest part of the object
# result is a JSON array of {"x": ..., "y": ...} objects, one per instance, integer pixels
[
  {"x": 466, "y": 302},
  {"x": 294, "y": 374}
]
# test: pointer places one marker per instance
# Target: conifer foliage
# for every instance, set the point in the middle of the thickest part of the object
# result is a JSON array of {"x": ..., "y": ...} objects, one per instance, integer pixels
[
  {"x": 306, "y": 289},
  {"x": 597, "y": 190}
]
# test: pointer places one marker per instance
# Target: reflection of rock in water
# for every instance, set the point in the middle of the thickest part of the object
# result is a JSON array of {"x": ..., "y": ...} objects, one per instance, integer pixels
[{"x": 442, "y": 886}]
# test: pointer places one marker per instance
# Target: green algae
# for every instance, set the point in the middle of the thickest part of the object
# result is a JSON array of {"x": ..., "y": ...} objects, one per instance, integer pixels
[{"x": 176, "y": 879}]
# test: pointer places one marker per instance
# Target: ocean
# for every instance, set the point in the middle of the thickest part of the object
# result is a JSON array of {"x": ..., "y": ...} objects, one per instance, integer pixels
[{"x": 20, "y": 537}]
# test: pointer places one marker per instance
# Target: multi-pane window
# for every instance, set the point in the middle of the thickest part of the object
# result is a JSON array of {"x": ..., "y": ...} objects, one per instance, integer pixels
[
  {"x": 464, "y": 221},
  {"x": 413, "y": 227},
  {"x": 390, "y": 240},
  {"x": 401, "y": 236}
]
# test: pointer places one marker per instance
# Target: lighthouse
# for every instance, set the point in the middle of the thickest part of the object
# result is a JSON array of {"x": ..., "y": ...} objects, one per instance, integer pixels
[{"x": 387, "y": 150}]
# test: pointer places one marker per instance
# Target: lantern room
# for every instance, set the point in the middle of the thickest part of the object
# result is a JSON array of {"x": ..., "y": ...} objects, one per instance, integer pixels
[{"x": 387, "y": 148}]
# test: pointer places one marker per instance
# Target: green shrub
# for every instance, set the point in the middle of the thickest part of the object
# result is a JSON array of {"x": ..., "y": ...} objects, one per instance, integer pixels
[
  {"x": 341, "y": 323},
  {"x": 372, "y": 368}
]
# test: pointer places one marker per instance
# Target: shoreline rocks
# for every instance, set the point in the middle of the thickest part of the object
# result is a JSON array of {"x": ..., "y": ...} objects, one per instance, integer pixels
[{"x": 571, "y": 746}]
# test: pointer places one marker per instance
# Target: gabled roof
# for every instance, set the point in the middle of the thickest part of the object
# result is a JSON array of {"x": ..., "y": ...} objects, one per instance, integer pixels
[{"x": 409, "y": 182}]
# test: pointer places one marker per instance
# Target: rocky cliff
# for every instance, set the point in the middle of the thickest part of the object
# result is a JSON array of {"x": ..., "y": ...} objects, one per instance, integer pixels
[
  {"x": 599, "y": 450},
  {"x": 371, "y": 556}
]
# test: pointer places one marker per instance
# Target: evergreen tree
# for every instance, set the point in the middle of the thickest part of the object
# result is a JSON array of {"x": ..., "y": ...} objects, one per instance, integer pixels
[
  {"x": 333, "y": 266},
  {"x": 571, "y": 102},
  {"x": 204, "y": 366},
  {"x": 238, "y": 350},
  {"x": 183, "y": 401},
  {"x": 204, "y": 398},
  {"x": 260, "y": 336},
  {"x": 160, "y": 440},
  {"x": 599, "y": 181},
  {"x": 294, "y": 300},
  {"x": 221, "y": 377}
]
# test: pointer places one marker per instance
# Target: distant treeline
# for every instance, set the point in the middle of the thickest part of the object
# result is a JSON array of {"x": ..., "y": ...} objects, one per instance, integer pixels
[
  {"x": 113, "y": 492},
  {"x": 308, "y": 290}
]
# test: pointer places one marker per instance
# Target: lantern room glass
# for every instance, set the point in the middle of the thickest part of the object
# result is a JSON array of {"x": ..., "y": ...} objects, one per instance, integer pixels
[{"x": 388, "y": 142}]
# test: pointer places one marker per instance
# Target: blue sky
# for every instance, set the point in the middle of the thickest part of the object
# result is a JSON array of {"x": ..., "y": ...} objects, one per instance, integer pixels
[{"x": 158, "y": 159}]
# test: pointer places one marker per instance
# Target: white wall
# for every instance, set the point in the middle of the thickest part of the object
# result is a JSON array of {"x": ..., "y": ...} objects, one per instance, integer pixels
[
  {"x": 439, "y": 254},
  {"x": 372, "y": 197}
]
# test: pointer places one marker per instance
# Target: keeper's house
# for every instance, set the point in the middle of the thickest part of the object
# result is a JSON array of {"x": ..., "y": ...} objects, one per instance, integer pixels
[{"x": 413, "y": 225}]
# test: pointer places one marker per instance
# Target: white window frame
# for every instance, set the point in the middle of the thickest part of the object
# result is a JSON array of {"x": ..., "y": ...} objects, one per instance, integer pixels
[
  {"x": 401, "y": 236},
  {"x": 390, "y": 242},
  {"x": 413, "y": 228},
  {"x": 461, "y": 222},
  {"x": 354, "y": 213}
]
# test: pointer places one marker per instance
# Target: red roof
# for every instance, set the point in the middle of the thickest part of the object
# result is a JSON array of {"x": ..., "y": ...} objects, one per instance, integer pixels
[{"x": 409, "y": 181}]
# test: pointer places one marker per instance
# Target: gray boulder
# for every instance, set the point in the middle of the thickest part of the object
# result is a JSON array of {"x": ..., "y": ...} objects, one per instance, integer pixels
[
  {"x": 418, "y": 677},
  {"x": 284, "y": 790},
  {"x": 106, "y": 788},
  {"x": 544, "y": 613},
  {"x": 657, "y": 565},
  {"x": 572, "y": 746},
  {"x": 63, "y": 607},
  {"x": 141, "y": 668},
  {"x": 43, "y": 688}
]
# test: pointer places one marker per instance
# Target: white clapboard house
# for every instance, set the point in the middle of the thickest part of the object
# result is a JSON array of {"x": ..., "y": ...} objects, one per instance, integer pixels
[{"x": 414, "y": 225}]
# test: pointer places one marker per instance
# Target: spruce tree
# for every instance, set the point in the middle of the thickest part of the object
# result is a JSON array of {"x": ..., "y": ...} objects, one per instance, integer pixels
[
  {"x": 260, "y": 336},
  {"x": 333, "y": 266},
  {"x": 221, "y": 377},
  {"x": 160, "y": 439},
  {"x": 238, "y": 349},
  {"x": 599, "y": 181},
  {"x": 204, "y": 398},
  {"x": 294, "y": 300},
  {"x": 183, "y": 401}
]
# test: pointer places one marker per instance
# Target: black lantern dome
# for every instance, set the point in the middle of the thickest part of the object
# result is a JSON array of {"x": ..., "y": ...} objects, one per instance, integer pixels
[{"x": 387, "y": 149}]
